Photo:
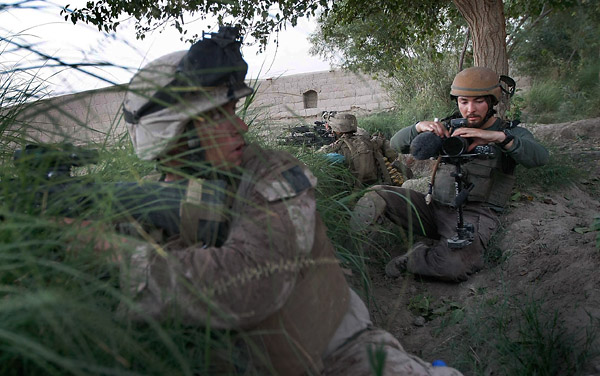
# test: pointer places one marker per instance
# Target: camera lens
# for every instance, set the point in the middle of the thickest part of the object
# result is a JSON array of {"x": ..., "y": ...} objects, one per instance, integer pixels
[{"x": 455, "y": 146}]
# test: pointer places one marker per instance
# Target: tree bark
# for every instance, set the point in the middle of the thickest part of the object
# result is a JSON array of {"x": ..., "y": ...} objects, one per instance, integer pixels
[{"x": 488, "y": 32}]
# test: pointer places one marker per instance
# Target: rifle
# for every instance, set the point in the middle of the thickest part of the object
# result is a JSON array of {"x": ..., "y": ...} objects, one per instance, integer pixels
[{"x": 46, "y": 187}]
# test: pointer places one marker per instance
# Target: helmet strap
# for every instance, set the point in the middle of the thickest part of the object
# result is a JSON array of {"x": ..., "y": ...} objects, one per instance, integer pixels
[
  {"x": 195, "y": 156},
  {"x": 491, "y": 111}
]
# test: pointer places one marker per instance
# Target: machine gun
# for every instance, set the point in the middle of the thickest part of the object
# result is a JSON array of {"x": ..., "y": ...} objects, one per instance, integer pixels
[
  {"x": 304, "y": 135},
  {"x": 52, "y": 162},
  {"x": 44, "y": 185}
]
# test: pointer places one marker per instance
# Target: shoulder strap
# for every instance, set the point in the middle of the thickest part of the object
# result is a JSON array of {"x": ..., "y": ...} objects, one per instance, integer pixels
[
  {"x": 382, "y": 167},
  {"x": 510, "y": 124},
  {"x": 349, "y": 144}
]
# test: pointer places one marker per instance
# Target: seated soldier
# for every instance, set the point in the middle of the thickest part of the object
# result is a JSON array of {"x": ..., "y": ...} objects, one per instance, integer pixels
[
  {"x": 455, "y": 253},
  {"x": 264, "y": 270}
]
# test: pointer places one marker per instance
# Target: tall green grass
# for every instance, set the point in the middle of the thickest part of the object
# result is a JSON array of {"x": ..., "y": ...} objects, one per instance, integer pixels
[
  {"x": 407, "y": 114},
  {"x": 573, "y": 96},
  {"x": 560, "y": 171},
  {"x": 62, "y": 310}
]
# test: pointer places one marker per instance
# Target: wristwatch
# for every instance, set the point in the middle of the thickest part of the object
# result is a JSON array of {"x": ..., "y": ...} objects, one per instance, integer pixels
[{"x": 507, "y": 140}]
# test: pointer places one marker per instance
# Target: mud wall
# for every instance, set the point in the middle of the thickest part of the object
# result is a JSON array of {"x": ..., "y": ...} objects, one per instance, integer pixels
[{"x": 96, "y": 115}]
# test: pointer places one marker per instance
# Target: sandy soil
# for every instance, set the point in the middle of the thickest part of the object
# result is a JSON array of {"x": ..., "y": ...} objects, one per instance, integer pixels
[{"x": 544, "y": 256}]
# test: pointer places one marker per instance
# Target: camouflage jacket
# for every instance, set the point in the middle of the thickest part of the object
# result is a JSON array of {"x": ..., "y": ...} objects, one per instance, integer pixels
[{"x": 364, "y": 156}]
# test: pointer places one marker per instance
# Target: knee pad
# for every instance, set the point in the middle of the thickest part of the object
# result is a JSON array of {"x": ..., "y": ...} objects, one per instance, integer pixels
[{"x": 368, "y": 210}]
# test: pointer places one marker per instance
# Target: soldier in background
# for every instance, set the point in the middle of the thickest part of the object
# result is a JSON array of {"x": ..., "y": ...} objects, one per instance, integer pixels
[
  {"x": 262, "y": 268},
  {"x": 369, "y": 159},
  {"x": 326, "y": 115}
]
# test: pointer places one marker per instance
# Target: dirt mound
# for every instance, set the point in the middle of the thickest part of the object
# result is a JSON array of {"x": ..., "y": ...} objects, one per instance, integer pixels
[
  {"x": 543, "y": 276},
  {"x": 583, "y": 132}
]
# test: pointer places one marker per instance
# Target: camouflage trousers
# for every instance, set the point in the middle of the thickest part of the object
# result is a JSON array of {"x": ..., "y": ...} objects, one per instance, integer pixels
[
  {"x": 359, "y": 357},
  {"x": 407, "y": 208}
]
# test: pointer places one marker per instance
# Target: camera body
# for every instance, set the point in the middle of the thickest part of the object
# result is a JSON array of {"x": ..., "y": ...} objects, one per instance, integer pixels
[{"x": 457, "y": 146}]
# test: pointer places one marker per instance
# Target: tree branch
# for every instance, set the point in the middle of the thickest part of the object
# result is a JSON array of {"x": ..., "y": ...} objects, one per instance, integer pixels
[
  {"x": 542, "y": 15},
  {"x": 521, "y": 22},
  {"x": 464, "y": 50}
]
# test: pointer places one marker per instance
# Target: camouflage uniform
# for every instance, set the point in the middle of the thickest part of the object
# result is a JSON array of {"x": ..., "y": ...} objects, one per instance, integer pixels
[
  {"x": 364, "y": 157},
  {"x": 362, "y": 132},
  {"x": 269, "y": 276},
  {"x": 358, "y": 155}
]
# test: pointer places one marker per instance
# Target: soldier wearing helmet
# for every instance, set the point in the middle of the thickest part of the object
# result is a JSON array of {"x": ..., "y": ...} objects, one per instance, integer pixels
[
  {"x": 253, "y": 255},
  {"x": 476, "y": 91},
  {"x": 365, "y": 157}
]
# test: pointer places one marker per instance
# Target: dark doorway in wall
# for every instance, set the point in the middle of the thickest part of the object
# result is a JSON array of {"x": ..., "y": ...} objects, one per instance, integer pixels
[{"x": 310, "y": 99}]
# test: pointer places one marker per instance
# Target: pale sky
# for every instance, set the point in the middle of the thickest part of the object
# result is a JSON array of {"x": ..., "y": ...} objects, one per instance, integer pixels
[{"x": 48, "y": 32}]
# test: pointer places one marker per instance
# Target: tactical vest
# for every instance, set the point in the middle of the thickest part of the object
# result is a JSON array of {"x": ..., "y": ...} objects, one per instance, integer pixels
[
  {"x": 492, "y": 179},
  {"x": 297, "y": 335}
]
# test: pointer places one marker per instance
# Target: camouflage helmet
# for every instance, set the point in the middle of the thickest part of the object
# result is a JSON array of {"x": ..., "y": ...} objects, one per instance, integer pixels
[
  {"x": 477, "y": 82},
  {"x": 343, "y": 123},
  {"x": 169, "y": 92}
]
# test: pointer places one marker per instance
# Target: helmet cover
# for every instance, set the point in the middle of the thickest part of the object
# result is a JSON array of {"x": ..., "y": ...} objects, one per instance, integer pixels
[
  {"x": 476, "y": 82},
  {"x": 172, "y": 90},
  {"x": 343, "y": 123}
]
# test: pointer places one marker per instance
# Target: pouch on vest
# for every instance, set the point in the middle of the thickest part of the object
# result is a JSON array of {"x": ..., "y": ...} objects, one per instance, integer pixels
[
  {"x": 491, "y": 185},
  {"x": 444, "y": 190},
  {"x": 203, "y": 213}
]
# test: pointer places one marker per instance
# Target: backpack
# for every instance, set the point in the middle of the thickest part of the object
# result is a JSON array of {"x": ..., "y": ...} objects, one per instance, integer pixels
[{"x": 361, "y": 160}]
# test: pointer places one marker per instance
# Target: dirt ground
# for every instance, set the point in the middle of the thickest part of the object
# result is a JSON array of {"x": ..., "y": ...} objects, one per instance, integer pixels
[{"x": 543, "y": 256}]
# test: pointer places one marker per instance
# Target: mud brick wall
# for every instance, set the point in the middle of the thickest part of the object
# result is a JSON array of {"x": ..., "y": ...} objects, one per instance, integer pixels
[
  {"x": 95, "y": 116},
  {"x": 284, "y": 97},
  {"x": 90, "y": 116}
]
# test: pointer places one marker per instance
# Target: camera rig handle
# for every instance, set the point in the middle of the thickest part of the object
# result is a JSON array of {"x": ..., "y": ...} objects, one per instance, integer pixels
[{"x": 465, "y": 232}]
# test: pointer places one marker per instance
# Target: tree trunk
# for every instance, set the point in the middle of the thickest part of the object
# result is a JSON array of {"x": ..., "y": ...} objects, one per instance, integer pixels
[{"x": 488, "y": 32}]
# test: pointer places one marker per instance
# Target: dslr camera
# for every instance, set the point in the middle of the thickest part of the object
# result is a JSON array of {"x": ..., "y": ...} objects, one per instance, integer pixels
[{"x": 457, "y": 146}]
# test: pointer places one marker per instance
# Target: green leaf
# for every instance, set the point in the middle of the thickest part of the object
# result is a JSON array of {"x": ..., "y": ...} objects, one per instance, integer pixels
[{"x": 582, "y": 230}]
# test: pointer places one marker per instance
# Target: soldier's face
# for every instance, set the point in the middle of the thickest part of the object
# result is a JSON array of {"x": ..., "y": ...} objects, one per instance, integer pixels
[
  {"x": 473, "y": 109},
  {"x": 221, "y": 135}
]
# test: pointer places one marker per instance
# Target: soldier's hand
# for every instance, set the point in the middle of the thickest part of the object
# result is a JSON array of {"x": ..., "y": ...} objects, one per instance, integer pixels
[
  {"x": 94, "y": 236},
  {"x": 479, "y": 136},
  {"x": 432, "y": 126}
]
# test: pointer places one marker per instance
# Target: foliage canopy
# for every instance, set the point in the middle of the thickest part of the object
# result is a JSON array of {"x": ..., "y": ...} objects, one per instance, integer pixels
[{"x": 259, "y": 18}]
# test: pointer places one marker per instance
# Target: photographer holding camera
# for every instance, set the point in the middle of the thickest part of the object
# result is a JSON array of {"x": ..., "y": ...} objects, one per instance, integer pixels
[{"x": 474, "y": 194}]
